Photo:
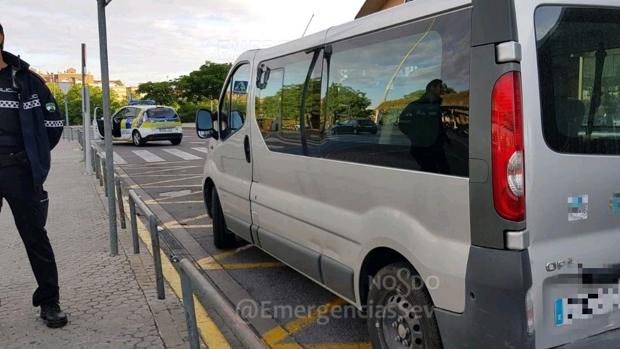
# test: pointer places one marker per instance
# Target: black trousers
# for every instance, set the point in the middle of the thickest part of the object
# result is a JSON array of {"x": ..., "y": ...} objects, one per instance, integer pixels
[{"x": 29, "y": 205}]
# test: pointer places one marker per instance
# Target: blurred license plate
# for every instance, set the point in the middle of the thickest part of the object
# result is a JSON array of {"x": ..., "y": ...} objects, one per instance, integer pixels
[{"x": 166, "y": 130}]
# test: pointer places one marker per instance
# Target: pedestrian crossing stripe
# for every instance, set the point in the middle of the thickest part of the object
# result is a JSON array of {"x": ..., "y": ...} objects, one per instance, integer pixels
[
  {"x": 159, "y": 156},
  {"x": 118, "y": 160},
  {"x": 201, "y": 150},
  {"x": 148, "y": 156},
  {"x": 183, "y": 155}
]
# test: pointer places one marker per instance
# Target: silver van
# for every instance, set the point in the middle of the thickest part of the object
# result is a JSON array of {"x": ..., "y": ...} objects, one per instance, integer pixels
[{"x": 479, "y": 205}]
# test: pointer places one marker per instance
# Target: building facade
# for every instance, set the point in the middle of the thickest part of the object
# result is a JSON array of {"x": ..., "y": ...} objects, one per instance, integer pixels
[{"x": 372, "y": 6}]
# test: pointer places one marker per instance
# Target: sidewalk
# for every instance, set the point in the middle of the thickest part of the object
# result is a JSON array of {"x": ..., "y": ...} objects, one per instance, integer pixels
[{"x": 110, "y": 301}]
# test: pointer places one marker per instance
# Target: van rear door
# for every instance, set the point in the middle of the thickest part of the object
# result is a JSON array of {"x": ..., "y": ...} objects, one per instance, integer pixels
[{"x": 572, "y": 151}]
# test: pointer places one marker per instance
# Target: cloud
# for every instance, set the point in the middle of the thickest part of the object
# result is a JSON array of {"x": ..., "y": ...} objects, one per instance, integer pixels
[{"x": 156, "y": 39}]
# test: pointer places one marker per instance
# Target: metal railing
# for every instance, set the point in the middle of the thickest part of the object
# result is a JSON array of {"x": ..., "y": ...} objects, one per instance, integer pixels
[
  {"x": 192, "y": 278},
  {"x": 136, "y": 203}
]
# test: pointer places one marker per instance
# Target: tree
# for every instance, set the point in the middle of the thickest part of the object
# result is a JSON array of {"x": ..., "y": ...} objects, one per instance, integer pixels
[
  {"x": 346, "y": 103},
  {"x": 204, "y": 83},
  {"x": 74, "y": 99},
  {"x": 164, "y": 92}
]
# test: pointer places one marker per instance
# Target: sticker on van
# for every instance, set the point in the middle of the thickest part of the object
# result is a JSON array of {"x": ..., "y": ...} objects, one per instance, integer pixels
[
  {"x": 614, "y": 203},
  {"x": 577, "y": 208}
]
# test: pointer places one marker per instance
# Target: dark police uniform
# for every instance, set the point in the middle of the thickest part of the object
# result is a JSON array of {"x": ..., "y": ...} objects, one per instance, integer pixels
[{"x": 30, "y": 126}]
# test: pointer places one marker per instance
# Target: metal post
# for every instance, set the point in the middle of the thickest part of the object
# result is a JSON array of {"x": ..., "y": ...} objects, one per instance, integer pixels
[
  {"x": 159, "y": 276},
  {"x": 66, "y": 110},
  {"x": 134, "y": 224},
  {"x": 97, "y": 166},
  {"x": 121, "y": 205},
  {"x": 221, "y": 305},
  {"x": 190, "y": 311},
  {"x": 86, "y": 114},
  {"x": 105, "y": 82},
  {"x": 93, "y": 157},
  {"x": 106, "y": 186}
]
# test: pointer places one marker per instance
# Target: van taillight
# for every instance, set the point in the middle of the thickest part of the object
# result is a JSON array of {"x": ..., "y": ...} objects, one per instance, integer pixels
[{"x": 507, "y": 147}]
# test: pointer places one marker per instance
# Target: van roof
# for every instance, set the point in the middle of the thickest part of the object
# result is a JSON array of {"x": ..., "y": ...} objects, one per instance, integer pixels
[{"x": 390, "y": 17}]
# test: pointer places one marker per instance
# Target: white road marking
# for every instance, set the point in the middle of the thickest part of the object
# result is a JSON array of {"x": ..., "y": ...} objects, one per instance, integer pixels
[
  {"x": 201, "y": 150},
  {"x": 118, "y": 160},
  {"x": 183, "y": 155},
  {"x": 148, "y": 156}
]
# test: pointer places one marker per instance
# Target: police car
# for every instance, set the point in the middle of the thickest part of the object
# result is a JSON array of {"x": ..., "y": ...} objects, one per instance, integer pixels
[{"x": 141, "y": 123}]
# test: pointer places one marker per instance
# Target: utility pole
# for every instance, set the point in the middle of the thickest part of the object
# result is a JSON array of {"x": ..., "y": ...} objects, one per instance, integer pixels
[
  {"x": 86, "y": 115},
  {"x": 107, "y": 121}
]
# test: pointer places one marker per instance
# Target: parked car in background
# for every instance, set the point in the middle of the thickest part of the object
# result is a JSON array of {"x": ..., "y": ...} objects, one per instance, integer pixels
[
  {"x": 355, "y": 126},
  {"x": 140, "y": 124}
]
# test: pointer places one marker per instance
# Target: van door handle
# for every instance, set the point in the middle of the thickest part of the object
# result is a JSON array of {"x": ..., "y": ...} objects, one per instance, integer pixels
[{"x": 246, "y": 148}]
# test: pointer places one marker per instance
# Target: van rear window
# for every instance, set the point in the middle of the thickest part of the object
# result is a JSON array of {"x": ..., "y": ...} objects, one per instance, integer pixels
[{"x": 579, "y": 73}]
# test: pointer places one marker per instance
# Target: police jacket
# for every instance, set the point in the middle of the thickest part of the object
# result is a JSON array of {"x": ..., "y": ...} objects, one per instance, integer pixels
[{"x": 41, "y": 122}]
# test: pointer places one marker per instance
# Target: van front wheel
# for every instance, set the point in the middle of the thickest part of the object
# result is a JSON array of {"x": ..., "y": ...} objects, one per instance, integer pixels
[
  {"x": 222, "y": 238},
  {"x": 400, "y": 310}
]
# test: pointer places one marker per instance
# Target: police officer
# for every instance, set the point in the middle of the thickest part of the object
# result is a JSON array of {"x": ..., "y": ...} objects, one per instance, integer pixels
[{"x": 30, "y": 127}]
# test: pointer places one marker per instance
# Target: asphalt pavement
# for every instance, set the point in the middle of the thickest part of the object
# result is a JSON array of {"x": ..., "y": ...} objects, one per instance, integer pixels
[{"x": 284, "y": 307}]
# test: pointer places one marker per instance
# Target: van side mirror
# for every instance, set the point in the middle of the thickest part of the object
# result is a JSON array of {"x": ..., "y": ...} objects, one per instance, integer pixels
[{"x": 204, "y": 124}]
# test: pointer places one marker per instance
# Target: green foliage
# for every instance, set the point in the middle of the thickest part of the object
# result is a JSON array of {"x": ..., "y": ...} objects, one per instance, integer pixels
[
  {"x": 164, "y": 92},
  {"x": 74, "y": 101},
  {"x": 187, "y": 111},
  {"x": 204, "y": 83},
  {"x": 346, "y": 103},
  {"x": 189, "y": 92}
]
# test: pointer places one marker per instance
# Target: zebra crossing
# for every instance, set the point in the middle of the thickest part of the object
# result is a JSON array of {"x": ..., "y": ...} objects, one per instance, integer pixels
[{"x": 157, "y": 155}]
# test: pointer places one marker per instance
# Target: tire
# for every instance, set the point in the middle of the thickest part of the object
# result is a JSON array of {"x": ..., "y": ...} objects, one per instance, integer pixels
[
  {"x": 399, "y": 307},
  {"x": 176, "y": 141},
  {"x": 222, "y": 238},
  {"x": 137, "y": 139}
]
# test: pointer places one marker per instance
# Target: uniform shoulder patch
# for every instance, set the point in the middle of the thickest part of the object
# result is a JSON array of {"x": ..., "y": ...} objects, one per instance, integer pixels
[{"x": 51, "y": 107}]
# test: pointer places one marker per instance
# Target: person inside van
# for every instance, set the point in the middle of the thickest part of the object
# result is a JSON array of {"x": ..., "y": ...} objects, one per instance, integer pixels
[{"x": 421, "y": 122}]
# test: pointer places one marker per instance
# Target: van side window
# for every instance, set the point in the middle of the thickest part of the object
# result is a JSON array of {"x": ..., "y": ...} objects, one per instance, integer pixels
[
  {"x": 400, "y": 97},
  {"x": 233, "y": 107},
  {"x": 278, "y": 103}
]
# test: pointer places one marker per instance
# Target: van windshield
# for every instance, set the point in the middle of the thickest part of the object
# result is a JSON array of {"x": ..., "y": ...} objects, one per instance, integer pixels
[{"x": 579, "y": 75}]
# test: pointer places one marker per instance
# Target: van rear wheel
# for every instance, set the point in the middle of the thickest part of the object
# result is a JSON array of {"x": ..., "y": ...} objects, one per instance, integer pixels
[
  {"x": 401, "y": 310},
  {"x": 222, "y": 238}
]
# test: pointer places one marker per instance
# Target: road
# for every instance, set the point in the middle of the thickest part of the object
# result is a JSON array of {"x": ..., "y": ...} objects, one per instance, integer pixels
[{"x": 290, "y": 309}]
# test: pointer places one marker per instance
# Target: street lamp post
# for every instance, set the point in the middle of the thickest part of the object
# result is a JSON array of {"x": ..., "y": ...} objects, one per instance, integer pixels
[{"x": 107, "y": 121}]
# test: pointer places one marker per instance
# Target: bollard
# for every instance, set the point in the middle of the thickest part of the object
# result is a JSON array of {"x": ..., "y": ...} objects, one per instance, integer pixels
[
  {"x": 100, "y": 164},
  {"x": 98, "y": 169},
  {"x": 105, "y": 176},
  {"x": 159, "y": 275},
  {"x": 190, "y": 311},
  {"x": 93, "y": 154},
  {"x": 121, "y": 204},
  {"x": 134, "y": 224}
]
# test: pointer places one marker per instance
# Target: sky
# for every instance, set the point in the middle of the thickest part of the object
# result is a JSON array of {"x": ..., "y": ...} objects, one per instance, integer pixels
[{"x": 156, "y": 40}]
